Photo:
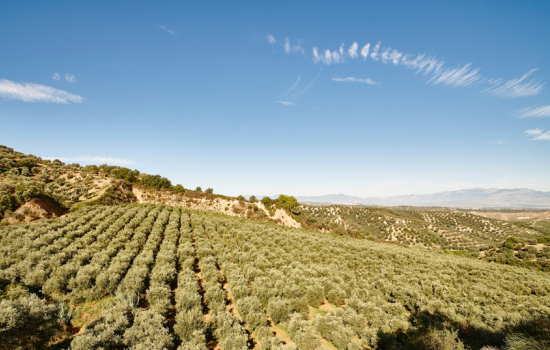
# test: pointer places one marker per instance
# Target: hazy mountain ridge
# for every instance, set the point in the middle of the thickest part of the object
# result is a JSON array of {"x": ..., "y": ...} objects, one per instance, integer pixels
[{"x": 475, "y": 198}]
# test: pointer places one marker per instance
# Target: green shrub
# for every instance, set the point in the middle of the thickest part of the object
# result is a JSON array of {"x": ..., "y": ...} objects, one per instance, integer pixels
[
  {"x": 267, "y": 202},
  {"x": 442, "y": 340},
  {"x": 26, "y": 322},
  {"x": 290, "y": 203},
  {"x": 148, "y": 332}
]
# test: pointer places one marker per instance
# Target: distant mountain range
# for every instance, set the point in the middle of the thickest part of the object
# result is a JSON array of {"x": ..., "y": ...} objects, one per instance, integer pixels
[{"x": 469, "y": 198}]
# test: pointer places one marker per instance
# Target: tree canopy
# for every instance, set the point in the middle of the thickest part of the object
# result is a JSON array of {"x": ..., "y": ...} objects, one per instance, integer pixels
[{"x": 156, "y": 181}]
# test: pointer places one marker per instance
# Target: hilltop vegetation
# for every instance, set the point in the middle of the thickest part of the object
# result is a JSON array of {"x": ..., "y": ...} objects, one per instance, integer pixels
[
  {"x": 28, "y": 182},
  {"x": 153, "y": 276},
  {"x": 32, "y": 188}
]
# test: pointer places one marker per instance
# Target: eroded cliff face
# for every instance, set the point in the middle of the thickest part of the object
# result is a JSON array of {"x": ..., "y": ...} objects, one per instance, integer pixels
[{"x": 232, "y": 207}]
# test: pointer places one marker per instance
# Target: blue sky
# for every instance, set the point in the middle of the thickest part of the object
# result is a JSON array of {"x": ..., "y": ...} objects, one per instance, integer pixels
[{"x": 303, "y": 98}]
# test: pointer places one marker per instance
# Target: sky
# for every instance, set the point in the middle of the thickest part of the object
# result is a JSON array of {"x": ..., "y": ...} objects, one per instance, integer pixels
[{"x": 370, "y": 98}]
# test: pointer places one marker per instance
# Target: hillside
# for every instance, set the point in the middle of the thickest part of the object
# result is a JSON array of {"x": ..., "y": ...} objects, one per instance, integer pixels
[
  {"x": 447, "y": 230},
  {"x": 461, "y": 233},
  {"x": 155, "y": 276},
  {"x": 32, "y": 188},
  {"x": 126, "y": 259},
  {"x": 468, "y": 198}
]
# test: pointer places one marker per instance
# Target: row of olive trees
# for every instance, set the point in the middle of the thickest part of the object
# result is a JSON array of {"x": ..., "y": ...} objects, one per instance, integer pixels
[
  {"x": 191, "y": 325},
  {"x": 381, "y": 284},
  {"x": 82, "y": 285},
  {"x": 109, "y": 279},
  {"x": 40, "y": 263},
  {"x": 135, "y": 278},
  {"x": 65, "y": 274},
  {"x": 20, "y": 254},
  {"x": 227, "y": 328},
  {"x": 249, "y": 306},
  {"x": 164, "y": 272},
  {"x": 125, "y": 325}
]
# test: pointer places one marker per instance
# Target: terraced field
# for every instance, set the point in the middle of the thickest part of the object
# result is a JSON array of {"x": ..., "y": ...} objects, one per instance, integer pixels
[{"x": 161, "y": 277}]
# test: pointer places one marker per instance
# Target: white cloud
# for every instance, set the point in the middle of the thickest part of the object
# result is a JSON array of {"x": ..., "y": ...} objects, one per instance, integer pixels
[
  {"x": 533, "y": 112},
  {"x": 385, "y": 55},
  {"x": 395, "y": 56},
  {"x": 329, "y": 57},
  {"x": 56, "y": 76},
  {"x": 310, "y": 84},
  {"x": 498, "y": 142},
  {"x": 289, "y": 48},
  {"x": 352, "y": 51},
  {"x": 168, "y": 30},
  {"x": 374, "y": 54},
  {"x": 70, "y": 78},
  {"x": 365, "y": 51},
  {"x": 543, "y": 137},
  {"x": 533, "y": 132},
  {"x": 460, "y": 76},
  {"x": 271, "y": 39},
  {"x": 516, "y": 87},
  {"x": 357, "y": 80},
  {"x": 390, "y": 56},
  {"x": 423, "y": 64},
  {"x": 94, "y": 159},
  {"x": 29, "y": 92},
  {"x": 537, "y": 134},
  {"x": 287, "y": 103},
  {"x": 293, "y": 86}
]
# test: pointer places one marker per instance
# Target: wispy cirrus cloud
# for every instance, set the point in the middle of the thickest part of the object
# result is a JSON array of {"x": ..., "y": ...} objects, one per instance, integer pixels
[
  {"x": 422, "y": 63},
  {"x": 464, "y": 75},
  {"x": 29, "y": 92},
  {"x": 517, "y": 87},
  {"x": 293, "y": 48},
  {"x": 533, "y": 112},
  {"x": 293, "y": 86},
  {"x": 70, "y": 78},
  {"x": 271, "y": 39},
  {"x": 460, "y": 76},
  {"x": 310, "y": 84},
  {"x": 287, "y": 103},
  {"x": 95, "y": 159},
  {"x": 296, "y": 94},
  {"x": 167, "y": 30},
  {"x": 537, "y": 134},
  {"x": 355, "y": 80}
]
